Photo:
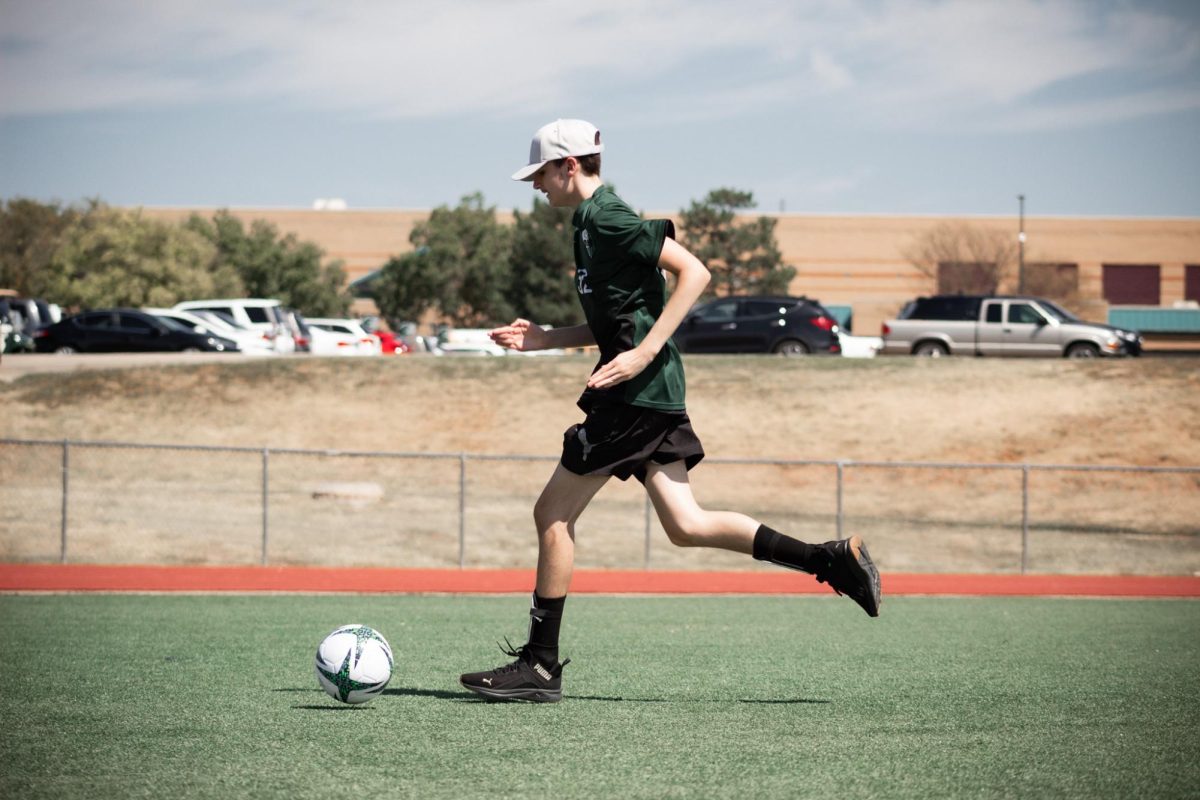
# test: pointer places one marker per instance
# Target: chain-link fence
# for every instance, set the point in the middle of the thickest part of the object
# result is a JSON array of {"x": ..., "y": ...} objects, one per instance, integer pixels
[{"x": 119, "y": 502}]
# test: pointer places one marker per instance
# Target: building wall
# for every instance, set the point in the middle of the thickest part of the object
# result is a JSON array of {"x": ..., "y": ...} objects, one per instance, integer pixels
[{"x": 857, "y": 261}]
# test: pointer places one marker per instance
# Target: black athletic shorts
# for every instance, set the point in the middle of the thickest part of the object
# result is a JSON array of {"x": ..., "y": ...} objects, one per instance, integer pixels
[{"x": 620, "y": 440}]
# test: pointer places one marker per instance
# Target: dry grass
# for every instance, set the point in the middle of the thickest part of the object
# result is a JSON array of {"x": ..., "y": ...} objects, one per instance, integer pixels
[{"x": 206, "y": 507}]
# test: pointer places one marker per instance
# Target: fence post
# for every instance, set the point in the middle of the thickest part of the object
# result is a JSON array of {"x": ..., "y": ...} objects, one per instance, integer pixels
[
  {"x": 266, "y": 494},
  {"x": 841, "y": 465},
  {"x": 462, "y": 510},
  {"x": 646, "y": 552},
  {"x": 66, "y": 493},
  {"x": 1024, "y": 518}
]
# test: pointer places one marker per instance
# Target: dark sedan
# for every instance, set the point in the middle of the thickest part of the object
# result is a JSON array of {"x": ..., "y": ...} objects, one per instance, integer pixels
[
  {"x": 789, "y": 326},
  {"x": 124, "y": 330}
]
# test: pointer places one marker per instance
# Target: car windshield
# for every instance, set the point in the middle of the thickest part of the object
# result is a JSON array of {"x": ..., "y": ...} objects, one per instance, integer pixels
[
  {"x": 219, "y": 320},
  {"x": 1057, "y": 311}
]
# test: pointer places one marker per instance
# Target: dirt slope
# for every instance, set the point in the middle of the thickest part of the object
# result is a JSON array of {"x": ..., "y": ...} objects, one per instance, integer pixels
[{"x": 1144, "y": 412}]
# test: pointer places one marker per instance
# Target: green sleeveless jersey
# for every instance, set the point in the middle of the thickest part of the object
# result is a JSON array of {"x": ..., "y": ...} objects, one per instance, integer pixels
[{"x": 623, "y": 293}]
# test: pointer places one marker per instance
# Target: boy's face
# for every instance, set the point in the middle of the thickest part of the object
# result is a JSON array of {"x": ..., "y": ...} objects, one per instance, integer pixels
[{"x": 554, "y": 181}]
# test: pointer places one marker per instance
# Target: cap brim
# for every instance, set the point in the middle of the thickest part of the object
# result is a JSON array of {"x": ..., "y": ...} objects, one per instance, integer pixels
[{"x": 526, "y": 173}]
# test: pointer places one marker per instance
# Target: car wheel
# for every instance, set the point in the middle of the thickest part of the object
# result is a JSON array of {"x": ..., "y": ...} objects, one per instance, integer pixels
[
  {"x": 1083, "y": 350},
  {"x": 931, "y": 350},
  {"x": 791, "y": 347},
  {"x": 65, "y": 349}
]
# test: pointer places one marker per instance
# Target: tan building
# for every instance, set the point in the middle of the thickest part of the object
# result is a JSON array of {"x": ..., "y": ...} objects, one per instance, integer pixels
[{"x": 858, "y": 262}]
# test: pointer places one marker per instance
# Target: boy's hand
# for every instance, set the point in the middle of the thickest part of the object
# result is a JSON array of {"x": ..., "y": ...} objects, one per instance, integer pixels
[
  {"x": 520, "y": 334},
  {"x": 625, "y": 366}
]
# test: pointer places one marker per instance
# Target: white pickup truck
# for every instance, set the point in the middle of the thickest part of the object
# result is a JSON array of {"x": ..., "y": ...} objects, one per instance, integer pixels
[{"x": 978, "y": 325}]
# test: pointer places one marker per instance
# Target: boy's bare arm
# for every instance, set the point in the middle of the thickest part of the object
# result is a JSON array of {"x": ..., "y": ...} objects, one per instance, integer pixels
[
  {"x": 691, "y": 276},
  {"x": 521, "y": 334}
]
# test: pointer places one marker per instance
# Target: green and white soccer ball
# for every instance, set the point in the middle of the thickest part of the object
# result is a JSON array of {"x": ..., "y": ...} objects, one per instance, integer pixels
[{"x": 354, "y": 663}]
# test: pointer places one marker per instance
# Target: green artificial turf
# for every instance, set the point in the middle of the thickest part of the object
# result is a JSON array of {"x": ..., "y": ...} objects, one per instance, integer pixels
[{"x": 215, "y": 696}]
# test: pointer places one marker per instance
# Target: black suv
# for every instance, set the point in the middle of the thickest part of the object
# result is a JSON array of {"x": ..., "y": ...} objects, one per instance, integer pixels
[{"x": 791, "y": 326}]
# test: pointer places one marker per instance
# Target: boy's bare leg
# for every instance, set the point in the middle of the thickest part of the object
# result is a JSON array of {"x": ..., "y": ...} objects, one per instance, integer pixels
[
  {"x": 563, "y": 499},
  {"x": 845, "y": 565},
  {"x": 536, "y": 675},
  {"x": 686, "y": 523}
]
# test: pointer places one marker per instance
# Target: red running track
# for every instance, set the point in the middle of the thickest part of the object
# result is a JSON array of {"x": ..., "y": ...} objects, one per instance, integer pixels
[{"x": 139, "y": 578}]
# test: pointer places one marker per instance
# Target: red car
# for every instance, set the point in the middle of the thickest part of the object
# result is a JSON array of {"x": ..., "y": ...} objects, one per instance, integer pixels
[{"x": 390, "y": 344}]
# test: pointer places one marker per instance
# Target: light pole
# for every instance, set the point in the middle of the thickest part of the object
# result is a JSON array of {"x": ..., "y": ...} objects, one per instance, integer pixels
[{"x": 1021, "y": 248}]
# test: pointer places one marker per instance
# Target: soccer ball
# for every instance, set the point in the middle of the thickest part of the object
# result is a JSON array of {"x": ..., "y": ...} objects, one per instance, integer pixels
[{"x": 354, "y": 663}]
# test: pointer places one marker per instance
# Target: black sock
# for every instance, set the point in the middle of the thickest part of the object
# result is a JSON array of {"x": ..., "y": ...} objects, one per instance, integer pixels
[
  {"x": 771, "y": 545},
  {"x": 545, "y": 618}
]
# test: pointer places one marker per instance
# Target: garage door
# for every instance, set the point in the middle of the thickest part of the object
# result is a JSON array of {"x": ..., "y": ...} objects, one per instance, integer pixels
[{"x": 1132, "y": 284}]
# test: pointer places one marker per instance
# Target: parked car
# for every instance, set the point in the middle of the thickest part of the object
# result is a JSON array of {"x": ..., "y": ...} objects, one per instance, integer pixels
[
  {"x": 341, "y": 337},
  {"x": 24, "y": 316},
  {"x": 790, "y": 326},
  {"x": 859, "y": 346},
  {"x": 13, "y": 338},
  {"x": 124, "y": 330},
  {"x": 467, "y": 342},
  {"x": 390, "y": 344},
  {"x": 261, "y": 339},
  {"x": 1001, "y": 325},
  {"x": 298, "y": 326},
  {"x": 34, "y": 313},
  {"x": 205, "y": 322},
  {"x": 17, "y": 341},
  {"x": 265, "y": 316}
]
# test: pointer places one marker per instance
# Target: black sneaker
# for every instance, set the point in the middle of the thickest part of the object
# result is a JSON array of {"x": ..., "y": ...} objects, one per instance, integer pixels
[
  {"x": 524, "y": 679},
  {"x": 851, "y": 572}
]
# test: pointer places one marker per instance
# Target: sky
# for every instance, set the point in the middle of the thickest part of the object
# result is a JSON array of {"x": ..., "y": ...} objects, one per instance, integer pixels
[{"x": 1087, "y": 108}]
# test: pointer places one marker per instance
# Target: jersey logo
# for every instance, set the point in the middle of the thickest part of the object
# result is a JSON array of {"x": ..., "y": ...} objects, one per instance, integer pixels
[
  {"x": 587, "y": 242},
  {"x": 581, "y": 281}
]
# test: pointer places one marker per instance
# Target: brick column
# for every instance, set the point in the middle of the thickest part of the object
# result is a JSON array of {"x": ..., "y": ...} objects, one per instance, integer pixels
[{"x": 1171, "y": 279}]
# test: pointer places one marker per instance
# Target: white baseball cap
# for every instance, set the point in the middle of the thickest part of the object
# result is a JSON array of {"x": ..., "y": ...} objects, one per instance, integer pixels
[{"x": 559, "y": 139}]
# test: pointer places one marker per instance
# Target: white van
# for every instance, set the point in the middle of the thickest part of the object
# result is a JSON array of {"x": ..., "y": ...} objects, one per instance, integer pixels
[{"x": 251, "y": 313}]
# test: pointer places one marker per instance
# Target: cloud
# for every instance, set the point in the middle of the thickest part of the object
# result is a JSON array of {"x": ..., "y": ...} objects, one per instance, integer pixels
[
  {"x": 987, "y": 57},
  {"x": 1078, "y": 113},
  {"x": 841, "y": 184},
  {"x": 828, "y": 72},
  {"x": 910, "y": 63}
]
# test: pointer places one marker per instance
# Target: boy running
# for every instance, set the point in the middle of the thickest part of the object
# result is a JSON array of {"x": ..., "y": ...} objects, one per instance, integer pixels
[{"x": 636, "y": 423}]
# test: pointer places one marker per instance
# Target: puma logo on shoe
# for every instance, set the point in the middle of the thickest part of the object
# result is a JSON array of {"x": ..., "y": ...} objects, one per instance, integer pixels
[
  {"x": 540, "y": 670},
  {"x": 587, "y": 448},
  {"x": 488, "y": 681}
]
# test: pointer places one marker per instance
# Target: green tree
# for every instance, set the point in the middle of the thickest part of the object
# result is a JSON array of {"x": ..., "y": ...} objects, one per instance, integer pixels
[
  {"x": 542, "y": 265},
  {"x": 406, "y": 287},
  {"x": 112, "y": 257},
  {"x": 459, "y": 268},
  {"x": 30, "y": 233},
  {"x": 270, "y": 265},
  {"x": 742, "y": 255}
]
